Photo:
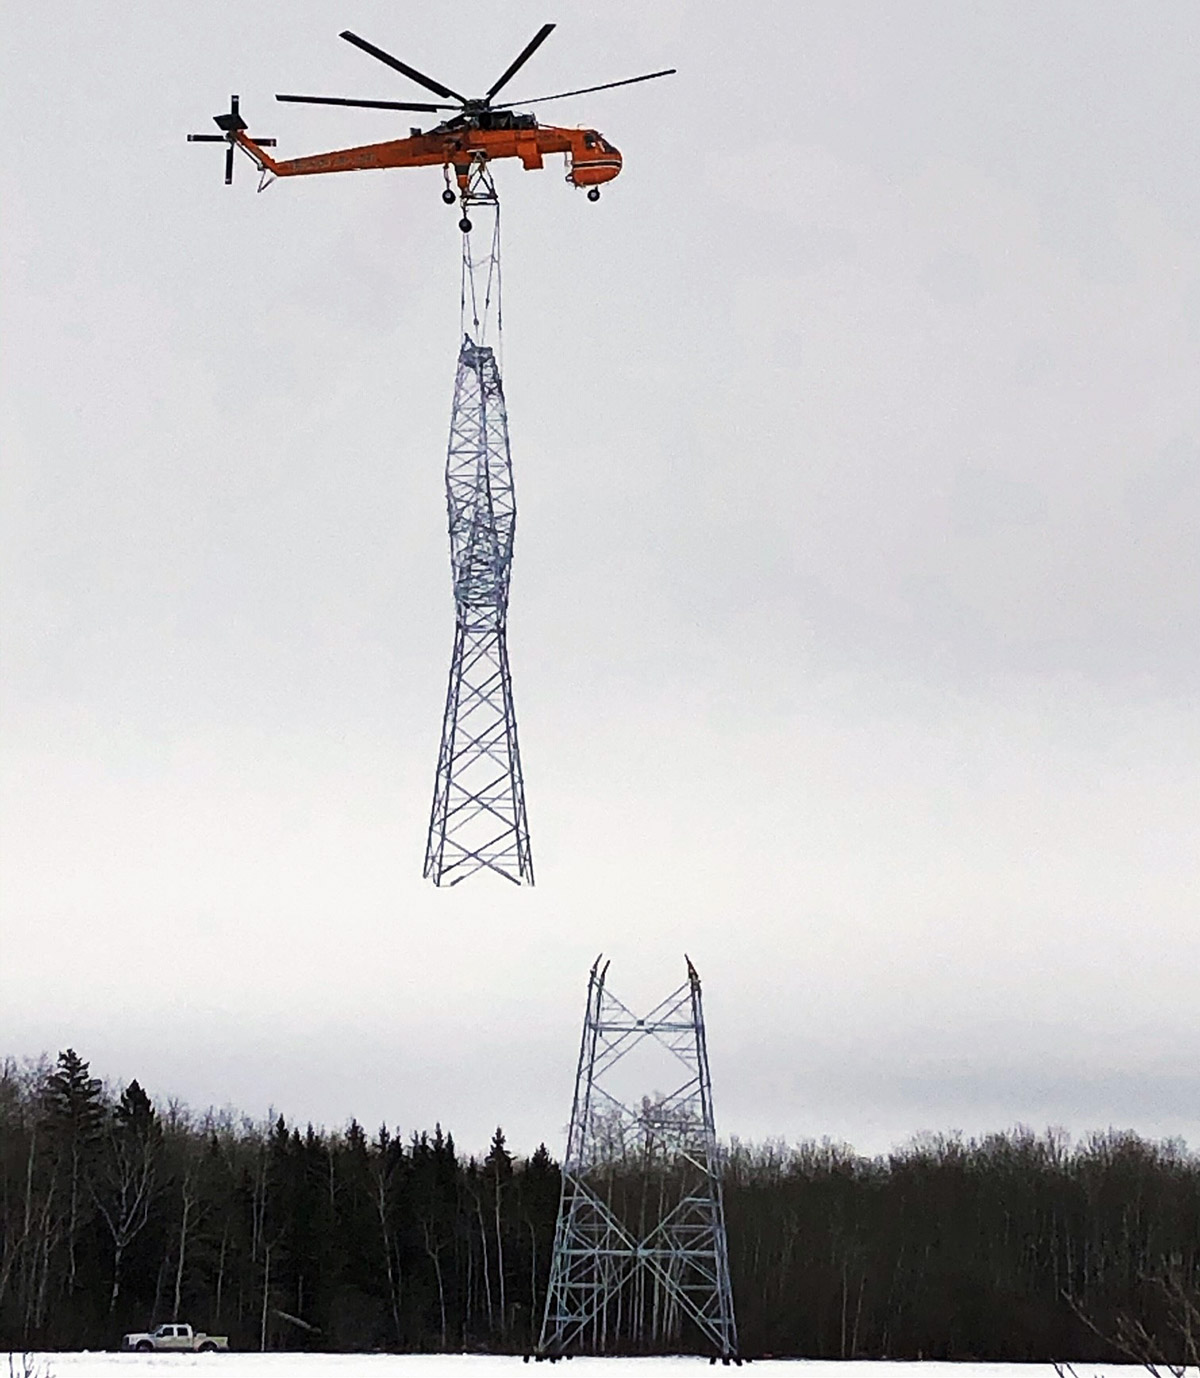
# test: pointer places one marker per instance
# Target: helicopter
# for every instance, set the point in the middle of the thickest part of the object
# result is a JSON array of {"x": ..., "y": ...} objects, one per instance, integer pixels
[{"x": 476, "y": 131}]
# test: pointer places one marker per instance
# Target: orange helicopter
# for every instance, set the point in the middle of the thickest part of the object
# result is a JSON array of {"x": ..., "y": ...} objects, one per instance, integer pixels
[{"x": 475, "y": 133}]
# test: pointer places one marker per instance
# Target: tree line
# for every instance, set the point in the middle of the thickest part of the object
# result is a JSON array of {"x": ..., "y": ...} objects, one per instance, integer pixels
[{"x": 117, "y": 1213}]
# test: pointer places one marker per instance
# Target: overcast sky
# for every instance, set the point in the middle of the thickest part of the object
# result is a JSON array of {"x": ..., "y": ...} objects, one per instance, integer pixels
[{"x": 855, "y": 605}]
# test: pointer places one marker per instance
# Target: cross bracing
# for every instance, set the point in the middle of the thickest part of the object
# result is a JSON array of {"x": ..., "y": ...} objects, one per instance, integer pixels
[
  {"x": 640, "y": 1258},
  {"x": 478, "y": 821}
]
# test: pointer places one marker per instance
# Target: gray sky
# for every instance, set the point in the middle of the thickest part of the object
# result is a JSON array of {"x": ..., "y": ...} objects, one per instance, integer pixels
[{"x": 855, "y": 603}]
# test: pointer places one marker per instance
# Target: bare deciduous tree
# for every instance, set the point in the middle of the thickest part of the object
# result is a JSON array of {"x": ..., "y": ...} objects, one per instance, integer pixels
[{"x": 123, "y": 1181}]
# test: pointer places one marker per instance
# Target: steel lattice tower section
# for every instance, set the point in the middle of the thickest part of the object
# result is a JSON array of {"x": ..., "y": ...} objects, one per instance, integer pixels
[
  {"x": 641, "y": 1260},
  {"x": 478, "y": 817}
]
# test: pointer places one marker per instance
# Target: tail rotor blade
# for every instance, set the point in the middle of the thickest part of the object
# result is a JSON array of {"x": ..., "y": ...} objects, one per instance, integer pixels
[{"x": 231, "y": 125}]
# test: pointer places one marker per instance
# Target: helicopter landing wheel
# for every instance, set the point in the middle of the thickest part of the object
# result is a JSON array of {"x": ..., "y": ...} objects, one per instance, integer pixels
[
  {"x": 594, "y": 194},
  {"x": 464, "y": 225},
  {"x": 449, "y": 197}
]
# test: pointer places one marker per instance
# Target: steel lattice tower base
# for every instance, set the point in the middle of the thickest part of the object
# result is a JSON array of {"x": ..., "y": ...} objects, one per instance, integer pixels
[
  {"x": 478, "y": 817},
  {"x": 641, "y": 1261}
]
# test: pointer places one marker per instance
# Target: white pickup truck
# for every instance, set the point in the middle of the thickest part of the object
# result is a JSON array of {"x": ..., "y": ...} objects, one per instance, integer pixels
[{"x": 181, "y": 1338}]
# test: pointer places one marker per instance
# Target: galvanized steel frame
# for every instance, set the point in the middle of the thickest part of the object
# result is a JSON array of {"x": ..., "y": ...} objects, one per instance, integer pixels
[
  {"x": 617, "y": 1286},
  {"x": 477, "y": 821}
]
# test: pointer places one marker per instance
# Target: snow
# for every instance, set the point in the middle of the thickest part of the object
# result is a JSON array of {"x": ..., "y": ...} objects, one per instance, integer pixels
[{"x": 110, "y": 1365}]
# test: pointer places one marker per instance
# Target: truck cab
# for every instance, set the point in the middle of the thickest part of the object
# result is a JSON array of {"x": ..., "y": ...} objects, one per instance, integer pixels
[{"x": 174, "y": 1336}]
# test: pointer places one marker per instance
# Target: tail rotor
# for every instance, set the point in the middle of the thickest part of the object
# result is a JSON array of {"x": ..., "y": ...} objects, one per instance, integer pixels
[{"x": 231, "y": 124}]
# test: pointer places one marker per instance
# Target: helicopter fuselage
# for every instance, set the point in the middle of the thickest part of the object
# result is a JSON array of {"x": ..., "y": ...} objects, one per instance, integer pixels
[{"x": 457, "y": 144}]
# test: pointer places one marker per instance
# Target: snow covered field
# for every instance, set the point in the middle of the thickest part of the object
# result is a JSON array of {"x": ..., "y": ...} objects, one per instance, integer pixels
[{"x": 100, "y": 1365}]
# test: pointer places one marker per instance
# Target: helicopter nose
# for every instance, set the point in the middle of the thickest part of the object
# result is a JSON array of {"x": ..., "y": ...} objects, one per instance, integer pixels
[{"x": 591, "y": 172}]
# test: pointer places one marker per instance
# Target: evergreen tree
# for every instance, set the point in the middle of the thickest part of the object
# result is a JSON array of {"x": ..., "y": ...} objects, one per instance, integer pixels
[
  {"x": 75, "y": 1117},
  {"x": 498, "y": 1169}
]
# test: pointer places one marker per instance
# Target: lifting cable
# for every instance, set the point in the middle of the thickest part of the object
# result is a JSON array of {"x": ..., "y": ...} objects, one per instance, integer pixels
[{"x": 480, "y": 308}]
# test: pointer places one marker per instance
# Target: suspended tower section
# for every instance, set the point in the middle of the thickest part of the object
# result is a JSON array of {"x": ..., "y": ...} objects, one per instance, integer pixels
[
  {"x": 478, "y": 821},
  {"x": 641, "y": 1260}
]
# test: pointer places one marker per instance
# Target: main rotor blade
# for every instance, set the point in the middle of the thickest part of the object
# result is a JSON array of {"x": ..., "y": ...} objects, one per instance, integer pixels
[
  {"x": 584, "y": 90},
  {"x": 366, "y": 104},
  {"x": 527, "y": 52},
  {"x": 394, "y": 62},
  {"x": 207, "y": 139},
  {"x": 229, "y": 166}
]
